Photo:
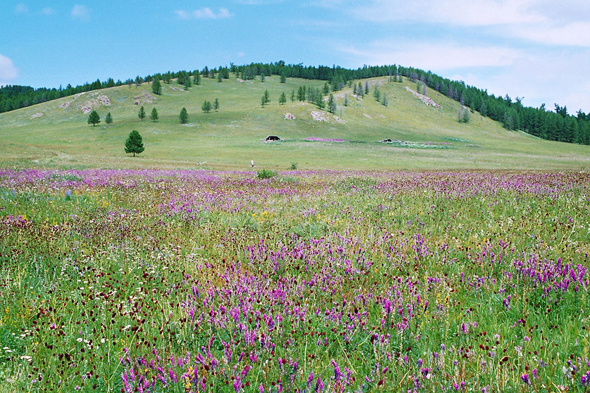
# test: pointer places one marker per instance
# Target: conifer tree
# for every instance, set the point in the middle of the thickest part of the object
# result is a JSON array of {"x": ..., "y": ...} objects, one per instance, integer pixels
[
  {"x": 93, "y": 118},
  {"x": 282, "y": 98},
  {"x": 346, "y": 101},
  {"x": 265, "y": 98},
  {"x": 385, "y": 101},
  {"x": 216, "y": 104},
  {"x": 154, "y": 115},
  {"x": 331, "y": 104},
  {"x": 183, "y": 116},
  {"x": 293, "y": 95},
  {"x": 197, "y": 78},
  {"x": 108, "y": 119},
  {"x": 319, "y": 101},
  {"x": 283, "y": 77},
  {"x": 262, "y": 77},
  {"x": 141, "y": 113},
  {"x": 156, "y": 86},
  {"x": 134, "y": 143},
  {"x": 366, "y": 87},
  {"x": 206, "y": 107}
]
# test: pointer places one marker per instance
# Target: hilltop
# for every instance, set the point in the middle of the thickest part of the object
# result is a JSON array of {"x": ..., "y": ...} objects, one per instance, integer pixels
[{"x": 55, "y": 134}]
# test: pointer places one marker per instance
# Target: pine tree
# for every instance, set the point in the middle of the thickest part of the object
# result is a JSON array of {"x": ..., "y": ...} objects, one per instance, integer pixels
[
  {"x": 141, "y": 113},
  {"x": 283, "y": 77},
  {"x": 292, "y": 95},
  {"x": 197, "y": 78},
  {"x": 377, "y": 94},
  {"x": 301, "y": 94},
  {"x": 262, "y": 77},
  {"x": 156, "y": 86},
  {"x": 282, "y": 98},
  {"x": 319, "y": 101},
  {"x": 366, "y": 87},
  {"x": 206, "y": 107},
  {"x": 266, "y": 97},
  {"x": 346, "y": 101},
  {"x": 220, "y": 77},
  {"x": 183, "y": 116},
  {"x": 216, "y": 104},
  {"x": 134, "y": 143},
  {"x": 385, "y": 101},
  {"x": 108, "y": 119},
  {"x": 331, "y": 104},
  {"x": 154, "y": 115},
  {"x": 93, "y": 118},
  {"x": 483, "y": 109}
]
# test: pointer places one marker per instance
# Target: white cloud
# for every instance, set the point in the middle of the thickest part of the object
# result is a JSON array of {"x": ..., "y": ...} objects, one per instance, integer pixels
[
  {"x": 204, "y": 13},
  {"x": 21, "y": 8},
  {"x": 48, "y": 11},
  {"x": 8, "y": 71},
  {"x": 556, "y": 77},
  {"x": 455, "y": 12},
  {"x": 434, "y": 55},
  {"x": 572, "y": 34},
  {"x": 80, "y": 12}
]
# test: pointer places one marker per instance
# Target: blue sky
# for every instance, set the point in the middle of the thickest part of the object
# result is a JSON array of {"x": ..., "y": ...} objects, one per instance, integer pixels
[{"x": 536, "y": 49}]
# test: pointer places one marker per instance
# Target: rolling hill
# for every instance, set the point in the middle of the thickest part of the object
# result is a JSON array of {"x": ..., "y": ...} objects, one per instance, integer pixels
[{"x": 55, "y": 134}]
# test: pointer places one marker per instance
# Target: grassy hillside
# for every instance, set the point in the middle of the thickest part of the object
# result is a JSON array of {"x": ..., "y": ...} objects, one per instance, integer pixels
[{"x": 233, "y": 136}]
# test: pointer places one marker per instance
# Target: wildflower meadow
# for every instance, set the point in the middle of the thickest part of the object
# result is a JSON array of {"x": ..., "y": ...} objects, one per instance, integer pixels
[{"x": 194, "y": 281}]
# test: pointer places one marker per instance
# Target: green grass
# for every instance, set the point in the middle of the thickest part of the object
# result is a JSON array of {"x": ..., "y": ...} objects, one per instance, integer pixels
[
  {"x": 160, "y": 261},
  {"x": 234, "y": 136}
]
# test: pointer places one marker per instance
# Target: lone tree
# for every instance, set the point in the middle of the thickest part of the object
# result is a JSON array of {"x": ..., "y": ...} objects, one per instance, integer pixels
[
  {"x": 216, "y": 104},
  {"x": 282, "y": 98},
  {"x": 156, "y": 86},
  {"x": 134, "y": 143},
  {"x": 141, "y": 113},
  {"x": 154, "y": 115},
  {"x": 93, "y": 118},
  {"x": 109, "y": 118},
  {"x": 331, "y": 104},
  {"x": 183, "y": 116},
  {"x": 197, "y": 78},
  {"x": 206, "y": 107}
]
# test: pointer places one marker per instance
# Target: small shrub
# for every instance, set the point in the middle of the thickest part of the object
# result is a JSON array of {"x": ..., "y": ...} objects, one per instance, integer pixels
[
  {"x": 266, "y": 174},
  {"x": 293, "y": 166}
]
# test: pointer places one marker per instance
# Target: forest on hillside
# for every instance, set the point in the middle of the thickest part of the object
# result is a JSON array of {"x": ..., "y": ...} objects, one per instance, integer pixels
[{"x": 555, "y": 125}]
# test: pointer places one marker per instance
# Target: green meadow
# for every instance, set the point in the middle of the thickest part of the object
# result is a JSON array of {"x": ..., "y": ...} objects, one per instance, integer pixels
[{"x": 424, "y": 137}]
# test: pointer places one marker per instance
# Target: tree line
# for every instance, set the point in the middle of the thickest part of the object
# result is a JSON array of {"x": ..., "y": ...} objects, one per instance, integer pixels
[{"x": 557, "y": 125}]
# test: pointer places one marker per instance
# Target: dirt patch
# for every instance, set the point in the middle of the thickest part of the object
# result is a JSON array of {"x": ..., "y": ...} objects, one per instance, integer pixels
[
  {"x": 104, "y": 100},
  {"x": 65, "y": 105},
  {"x": 145, "y": 98},
  {"x": 319, "y": 116},
  {"x": 425, "y": 99},
  {"x": 93, "y": 104},
  {"x": 176, "y": 88},
  {"x": 36, "y": 115},
  {"x": 339, "y": 120},
  {"x": 289, "y": 116},
  {"x": 367, "y": 116}
]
